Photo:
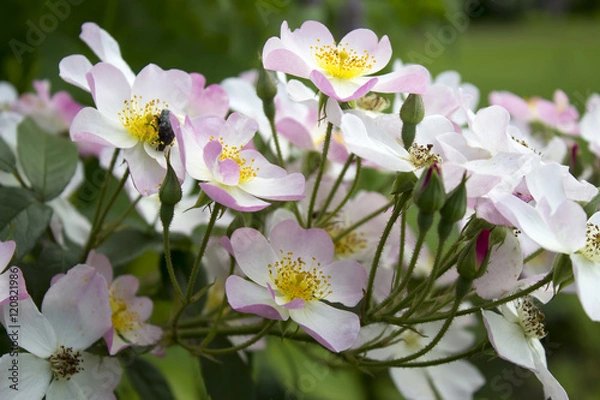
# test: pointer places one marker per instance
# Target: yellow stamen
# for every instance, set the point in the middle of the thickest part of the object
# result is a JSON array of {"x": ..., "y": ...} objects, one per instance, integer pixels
[
  {"x": 342, "y": 62},
  {"x": 297, "y": 280},
  {"x": 141, "y": 118},
  {"x": 247, "y": 170}
]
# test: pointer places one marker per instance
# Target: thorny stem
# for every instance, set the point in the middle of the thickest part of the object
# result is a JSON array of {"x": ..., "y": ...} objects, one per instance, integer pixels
[
  {"x": 334, "y": 189},
  {"x": 347, "y": 197}
]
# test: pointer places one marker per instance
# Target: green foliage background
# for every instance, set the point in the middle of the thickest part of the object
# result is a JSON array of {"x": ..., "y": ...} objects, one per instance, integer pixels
[{"x": 512, "y": 47}]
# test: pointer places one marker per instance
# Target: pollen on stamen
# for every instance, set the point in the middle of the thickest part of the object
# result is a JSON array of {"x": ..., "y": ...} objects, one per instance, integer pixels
[
  {"x": 421, "y": 155},
  {"x": 349, "y": 244},
  {"x": 141, "y": 118},
  {"x": 592, "y": 242},
  {"x": 531, "y": 319},
  {"x": 294, "y": 279},
  {"x": 247, "y": 169},
  {"x": 65, "y": 363},
  {"x": 342, "y": 61}
]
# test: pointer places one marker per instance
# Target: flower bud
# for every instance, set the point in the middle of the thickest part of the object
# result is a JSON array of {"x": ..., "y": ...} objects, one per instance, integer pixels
[
  {"x": 266, "y": 89},
  {"x": 411, "y": 113},
  {"x": 473, "y": 259},
  {"x": 169, "y": 195},
  {"x": 413, "y": 109},
  {"x": 404, "y": 183},
  {"x": 454, "y": 209},
  {"x": 429, "y": 194}
]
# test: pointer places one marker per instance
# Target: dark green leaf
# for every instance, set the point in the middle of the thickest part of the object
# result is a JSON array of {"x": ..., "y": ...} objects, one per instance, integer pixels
[
  {"x": 22, "y": 218},
  {"x": 230, "y": 378},
  {"x": 127, "y": 244},
  {"x": 148, "y": 381},
  {"x": 7, "y": 158},
  {"x": 48, "y": 161}
]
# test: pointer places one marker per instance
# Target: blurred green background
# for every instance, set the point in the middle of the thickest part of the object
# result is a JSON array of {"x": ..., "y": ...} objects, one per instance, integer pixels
[{"x": 527, "y": 47}]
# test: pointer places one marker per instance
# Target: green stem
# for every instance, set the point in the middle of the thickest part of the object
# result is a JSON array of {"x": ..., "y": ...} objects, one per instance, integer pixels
[
  {"x": 334, "y": 189},
  {"x": 468, "y": 353},
  {"x": 114, "y": 225},
  {"x": 94, "y": 230},
  {"x": 379, "y": 251},
  {"x": 320, "y": 173},
  {"x": 196, "y": 266},
  {"x": 346, "y": 198},
  {"x": 217, "y": 320},
  {"x": 533, "y": 255},
  {"x": 267, "y": 327},
  {"x": 399, "y": 362},
  {"x": 169, "y": 261},
  {"x": 402, "y": 247},
  {"x": 362, "y": 221},
  {"x": 485, "y": 306}
]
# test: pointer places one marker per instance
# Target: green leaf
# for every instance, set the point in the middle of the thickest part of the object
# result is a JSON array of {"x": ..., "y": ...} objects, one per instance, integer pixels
[
  {"x": 48, "y": 161},
  {"x": 230, "y": 377},
  {"x": 148, "y": 381},
  {"x": 127, "y": 244},
  {"x": 22, "y": 218},
  {"x": 8, "y": 161}
]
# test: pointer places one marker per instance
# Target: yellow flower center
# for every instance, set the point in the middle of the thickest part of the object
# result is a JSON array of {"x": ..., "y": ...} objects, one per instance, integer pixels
[
  {"x": 247, "y": 169},
  {"x": 141, "y": 119},
  {"x": 123, "y": 318},
  {"x": 342, "y": 62},
  {"x": 349, "y": 244},
  {"x": 592, "y": 243},
  {"x": 297, "y": 280}
]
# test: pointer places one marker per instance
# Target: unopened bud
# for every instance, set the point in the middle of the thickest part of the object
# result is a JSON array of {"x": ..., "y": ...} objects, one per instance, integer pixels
[
  {"x": 266, "y": 89},
  {"x": 429, "y": 194},
  {"x": 169, "y": 195},
  {"x": 411, "y": 113},
  {"x": 473, "y": 259},
  {"x": 454, "y": 209},
  {"x": 404, "y": 183}
]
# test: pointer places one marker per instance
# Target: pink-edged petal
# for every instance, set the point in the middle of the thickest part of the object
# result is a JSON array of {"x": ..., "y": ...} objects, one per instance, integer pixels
[
  {"x": 89, "y": 125},
  {"x": 210, "y": 154},
  {"x": 295, "y": 132},
  {"x": 410, "y": 79},
  {"x": 286, "y": 188},
  {"x": 515, "y": 105},
  {"x": 228, "y": 172},
  {"x": 284, "y": 60},
  {"x": 31, "y": 378},
  {"x": 125, "y": 287},
  {"x": 144, "y": 335},
  {"x": 253, "y": 254},
  {"x": 335, "y": 329},
  {"x": 109, "y": 88},
  {"x": 508, "y": 338},
  {"x": 35, "y": 333},
  {"x": 114, "y": 342},
  {"x": 105, "y": 47},
  {"x": 233, "y": 197},
  {"x": 78, "y": 308},
  {"x": 457, "y": 380},
  {"x": 212, "y": 100},
  {"x": 365, "y": 41},
  {"x": 342, "y": 89},
  {"x": 102, "y": 265},
  {"x": 146, "y": 173},
  {"x": 73, "y": 69},
  {"x": 412, "y": 383},
  {"x": 348, "y": 280},
  {"x": 248, "y": 297},
  {"x": 503, "y": 271},
  {"x": 587, "y": 282},
  {"x": 296, "y": 304},
  {"x": 7, "y": 249},
  {"x": 8, "y": 280},
  {"x": 309, "y": 244},
  {"x": 238, "y": 130},
  {"x": 172, "y": 87}
]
